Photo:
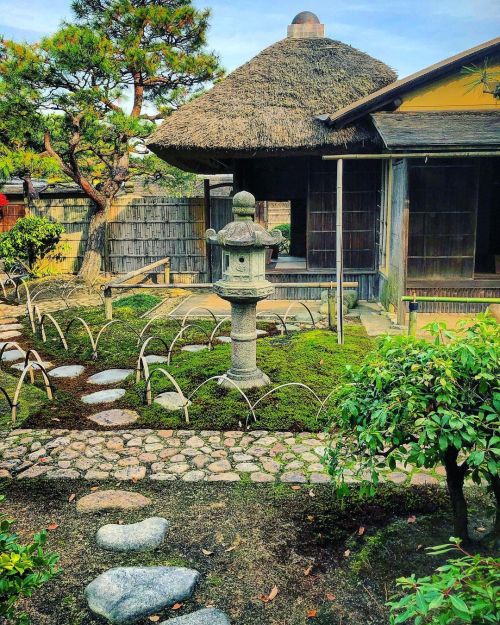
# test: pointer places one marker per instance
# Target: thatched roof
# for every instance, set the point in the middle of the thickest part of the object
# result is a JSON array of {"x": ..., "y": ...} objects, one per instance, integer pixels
[{"x": 268, "y": 106}]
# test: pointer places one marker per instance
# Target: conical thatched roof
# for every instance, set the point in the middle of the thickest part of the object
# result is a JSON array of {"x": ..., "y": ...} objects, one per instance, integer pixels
[{"x": 268, "y": 106}]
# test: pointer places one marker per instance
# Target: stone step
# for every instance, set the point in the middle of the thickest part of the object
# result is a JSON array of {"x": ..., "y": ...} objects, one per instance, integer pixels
[
  {"x": 107, "y": 396},
  {"x": 207, "y": 616},
  {"x": 143, "y": 536},
  {"x": 115, "y": 417},
  {"x": 107, "y": 500},
  {"x": 110, "y": 376},
  {"x": 67, "y": 371},
  {"x": 5, "y": 327},
  {"x": 171, "y": 401}
]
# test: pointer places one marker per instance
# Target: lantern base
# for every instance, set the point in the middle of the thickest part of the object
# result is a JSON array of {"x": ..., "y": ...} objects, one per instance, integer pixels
[{"x": 251, "y": 379}]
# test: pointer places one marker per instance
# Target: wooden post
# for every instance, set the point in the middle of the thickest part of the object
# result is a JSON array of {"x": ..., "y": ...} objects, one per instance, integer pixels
[
  {"x": 332, "y": 309},
  {"x": 412, "y": 319},
  {"x": 208, "y": 224},
  {"x": 339, "y": 250},
  {"x": 108, "y": 303},
  {"x": 167, "y": 272}
]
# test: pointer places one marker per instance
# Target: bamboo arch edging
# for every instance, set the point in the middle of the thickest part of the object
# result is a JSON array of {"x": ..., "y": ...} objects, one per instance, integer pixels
[
  {"x": 212, "y": 336},
  {"x": 106, "y": 325},
  {"x": 221, "y": 378},
  {"x": 147, "y": 397},
  {"x": 197, "y": 308},
  {"x": 276, "y": 388},
  {"x": 57, "y": 327},
  {"x": 47, "y": 384},
  {"x": 4, "y": 347},
  {"x": 141, "y": 361},
  {"x": 180, "y": 333},
  {"x": 87, "y": 329},
  {"x": 284, "y": 329},
  {"x": 297, "y": 303},
  {"x": 151, "y": 321}
]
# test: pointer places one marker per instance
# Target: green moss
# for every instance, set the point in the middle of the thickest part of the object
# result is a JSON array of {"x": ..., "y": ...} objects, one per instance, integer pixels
[{"x": 31, "y": 398}]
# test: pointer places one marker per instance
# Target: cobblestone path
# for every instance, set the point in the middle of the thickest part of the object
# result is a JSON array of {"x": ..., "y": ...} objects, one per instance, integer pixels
[{"x": 169, "y": 455}]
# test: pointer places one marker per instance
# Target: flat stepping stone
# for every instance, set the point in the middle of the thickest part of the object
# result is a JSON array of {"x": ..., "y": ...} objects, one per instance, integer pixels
[
  {"x": 9, "y": 334},
  {"x": 171, "y": 401},
  {"x": 11, "y": 355},
  {"x": 128, "y": 594},
  {"x": 262, "y": 333},
  {"x": 20, "y": 365},
  {"x": 144, "y": 536},
  {"x": 153, "y": 359},
  {"x": 67, "y": 371},
  {"x": 5, "y": 327},
  {"x": 103, "y": 500},
  {"x": 207, "y": 616},
  {"x": 9, "y": 320},
  {"x": 194, "y": 348},
  {"x": 110, "y": 376},
  {"x": 104, "y": 397},
  {"x": 224, "y": 339},
  {"x": 292, "y": 327},
  {"x": 114, "y": 417}
]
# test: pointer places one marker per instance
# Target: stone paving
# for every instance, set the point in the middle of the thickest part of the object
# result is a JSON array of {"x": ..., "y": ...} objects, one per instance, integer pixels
[{"x": 169, "y": 455}]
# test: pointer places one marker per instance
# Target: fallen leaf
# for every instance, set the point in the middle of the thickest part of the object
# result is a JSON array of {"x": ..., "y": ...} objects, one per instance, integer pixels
[
  {"x": 481, "y": 529},
  {"x": 71, "y": 497},
  {"x": 322, "y": 362},
  {"x": 236, "y": 543},
  {"x": 308, "y": 570},
  {"x": 52, "y": 527},
  {"x": 312, "y": 493},
  {"x": 412, "y": 519},
  {"x": 270, "y": 596},
  {"x": 419, "y": 547},
  {"x": 347, "y": 553},
  {"x": 120, "y": 521},
  {"x": 310, "y": 517},
  {"x": 295, "y": 487},
  {"x": 94, "y": 488},
  {"x": 205, "y": 552},
  {"x": 361, "y": 531},
  {"x": 154, "y": 619},
  {"x": 43, "y": 460},
  {"x": 177, "y": 606},
  {"x": 312, "y": 614},
  {"x": 330, "y": 596}
]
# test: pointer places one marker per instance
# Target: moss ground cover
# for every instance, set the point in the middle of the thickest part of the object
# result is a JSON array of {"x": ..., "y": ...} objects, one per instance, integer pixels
[{"x": 309, "y": 357}]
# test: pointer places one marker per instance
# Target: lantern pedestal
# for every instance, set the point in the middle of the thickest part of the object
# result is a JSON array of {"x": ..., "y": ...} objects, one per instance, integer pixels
[{"x": 244, "y": 283}]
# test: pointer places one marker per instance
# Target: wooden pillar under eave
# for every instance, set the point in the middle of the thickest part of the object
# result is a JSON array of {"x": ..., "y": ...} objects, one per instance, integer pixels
[
  {"x": 339, "y": 253},
  {"x": 208, "y": 224}
]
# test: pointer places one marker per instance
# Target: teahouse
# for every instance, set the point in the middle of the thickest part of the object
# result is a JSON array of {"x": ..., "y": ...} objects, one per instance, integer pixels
[{"x": 411, "y": 221}]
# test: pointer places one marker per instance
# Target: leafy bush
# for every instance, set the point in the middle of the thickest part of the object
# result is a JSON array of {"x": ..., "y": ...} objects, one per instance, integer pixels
[
  {"x": 23, "y": 569},
  {"x": 425, "y": 404},
  {"x": 464, "y": 590},
  {"x": 286, "y": 231},
  {"x": 30, "y": 240}
]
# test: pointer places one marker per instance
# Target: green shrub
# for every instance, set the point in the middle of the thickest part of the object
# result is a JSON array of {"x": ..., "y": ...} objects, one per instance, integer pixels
[
  {"x": 464, "y": 590},
  {"x": 425, "y": 404},
  {"x": 23, "y": 569},
  {"x": 286, "y": 231},
  {"x": 29, "y": 241}
]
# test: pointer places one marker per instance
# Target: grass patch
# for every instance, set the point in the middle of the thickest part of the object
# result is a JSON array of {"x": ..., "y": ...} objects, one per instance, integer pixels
[
  {"x": 139, "y": 302},
  {"x": 258, "y": 536},
  {"x": 310, "y": 357}
]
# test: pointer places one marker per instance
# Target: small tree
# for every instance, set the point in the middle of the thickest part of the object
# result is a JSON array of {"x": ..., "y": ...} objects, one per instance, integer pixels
[
  {"x": 29, "y": 240},
  {"x": 464, "y": 590},
  {"x": 24, "y": 568},
  {"x": 425, "y": 404},
  {"x": 97, "y": 87}
]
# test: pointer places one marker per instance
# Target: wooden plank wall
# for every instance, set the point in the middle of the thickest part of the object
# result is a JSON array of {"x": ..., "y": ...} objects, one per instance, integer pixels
[
  {"x": 221, "y": 213},
  {"x": 140, "y": 231}
]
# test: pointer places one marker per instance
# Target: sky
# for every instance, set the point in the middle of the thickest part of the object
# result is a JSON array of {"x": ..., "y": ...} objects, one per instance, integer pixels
[{"x": 408, "y": 35}]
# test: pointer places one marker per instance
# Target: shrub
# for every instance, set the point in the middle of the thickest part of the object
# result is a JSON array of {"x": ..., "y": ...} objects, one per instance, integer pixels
[
  {"x": 30, "y": 240},
  {"x": 425, "y": 404},
  {"x": 464, "y": 590},
  {"x": 286, "y": 231},
  {"x": 23, "y": 569}
]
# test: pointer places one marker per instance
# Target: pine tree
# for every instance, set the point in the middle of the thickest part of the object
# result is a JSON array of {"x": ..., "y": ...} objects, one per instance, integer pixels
[{"x": 94, "y": 90}]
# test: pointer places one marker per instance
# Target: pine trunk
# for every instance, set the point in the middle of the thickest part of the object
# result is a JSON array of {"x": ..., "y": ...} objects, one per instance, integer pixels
[
  {"x": 495, "y": 534},
  {"x": 455, "y": 480},
  {"x": 94, "y": 250}
]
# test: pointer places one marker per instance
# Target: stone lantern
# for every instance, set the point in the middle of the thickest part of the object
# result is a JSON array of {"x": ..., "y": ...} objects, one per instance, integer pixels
[{"x": 244, "y": 283}]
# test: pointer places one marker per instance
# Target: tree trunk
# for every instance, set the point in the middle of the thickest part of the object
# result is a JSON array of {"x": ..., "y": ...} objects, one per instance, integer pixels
[
  {"x": 94, "y": 249},
  {"x": 455, "y": 480}
]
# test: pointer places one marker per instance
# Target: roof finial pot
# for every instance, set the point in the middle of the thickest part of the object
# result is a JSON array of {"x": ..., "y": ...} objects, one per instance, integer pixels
[
  {"x": 306, "y": 25},
  {"x": 243, "y": 244}
]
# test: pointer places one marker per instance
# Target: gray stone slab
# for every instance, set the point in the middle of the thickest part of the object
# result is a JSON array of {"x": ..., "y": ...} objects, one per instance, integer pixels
[
  {"x": 154, "y": 359},
  {"x": 170, "y": 401},
  {"x": 110, "y": 376},
  {"x": 261, "y": 332},
  {"x": 207, "y": 616},
  {"x": 5, "y": 327},
  {"x": 224, "y": 339},
  {"x": 104, "y": 397},
  {"x": 143, "y": 536},
  {"x": 11, "y": 355},
  {"x": 67, "y": 371},
  {"x": 103, "y": 500},
  {"x": 20, "y": 365},
  {"x": 125, "y": 595},
  {"x": 114, "y": 417},
  {"x": 9, "y": 334},
  {"x": 194, "y": 348}
]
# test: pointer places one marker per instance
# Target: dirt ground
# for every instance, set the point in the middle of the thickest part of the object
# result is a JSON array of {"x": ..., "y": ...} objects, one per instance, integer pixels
[{"x": 245, "y": 539}]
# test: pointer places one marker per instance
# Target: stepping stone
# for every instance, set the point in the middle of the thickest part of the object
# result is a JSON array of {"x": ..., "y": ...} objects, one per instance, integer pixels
[
  {"x": 110, "y": 376},
  {"x": 5, "y": 327},
  {"x": 20, "y": 365},
  {"x": 9, "y": 320},
  {"x": 104, "y": 397},
  {"x": 194, "y": 348},
  {"x": 114, "y": 417},
  {"x": 128, "y": 594},
  {"x": 144, "y": 536},
  {"x": 12, "y": 355},
  {"x": 207, "y": 616},
  {"x": 262, "y": 333},
  {"x": 153, "y": 359},
  {"x": 67, "y": 371},
  {"x": 171, "y": 401},
  {"x": 292, "y": 328},
  {"x": 103, "y": 500},
  {"x": 9, "y": 334},
  {"x": 224, "y": 339}
]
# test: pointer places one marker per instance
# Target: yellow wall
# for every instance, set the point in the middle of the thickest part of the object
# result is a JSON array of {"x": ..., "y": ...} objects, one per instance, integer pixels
[{"x": 452, "y": 94}]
